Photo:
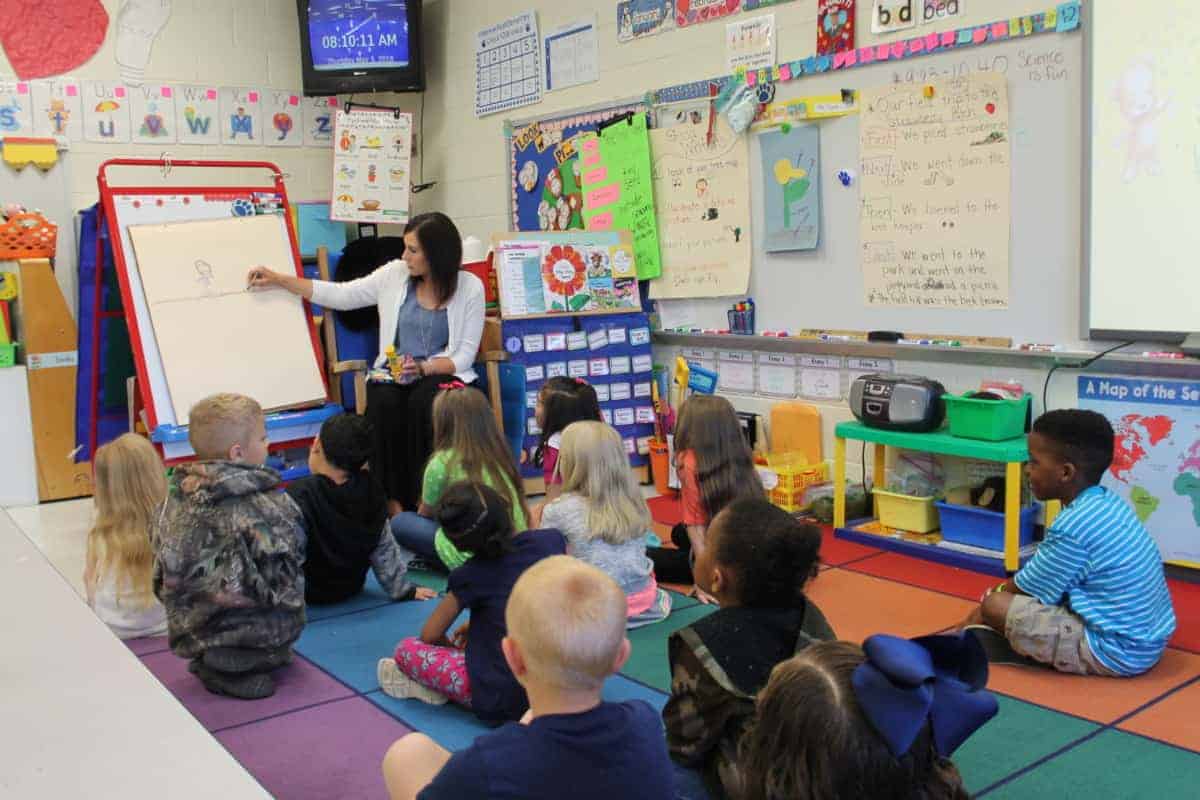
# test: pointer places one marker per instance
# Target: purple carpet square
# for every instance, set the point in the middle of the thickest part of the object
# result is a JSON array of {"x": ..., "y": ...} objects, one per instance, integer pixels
[
  {"x": 329, "y": 752},
  {"x": 297, "y": 685},
  {"x": 147, "y": 645}
]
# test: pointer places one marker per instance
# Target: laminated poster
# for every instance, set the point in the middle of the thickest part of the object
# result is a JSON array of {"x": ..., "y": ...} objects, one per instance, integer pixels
[
  {"x": 57, "y": 109},
  {"x": 372, "y": 156},
  {"x": 694, "y": 12},
  {"x": 567, "y": 274},
  {"x": 241, "y": 117},
  {"x": 16, "y": 112},
  {"x": 617, "y": 188},
  {"x": 197, "y": 114},
  {"x": 282, "y": 122},
  {"x": 835, "y": 26},
  {"x": 106, "y": 112},
  {"x": 152, "y": 114},
  {"x": 638, "y": 18}
]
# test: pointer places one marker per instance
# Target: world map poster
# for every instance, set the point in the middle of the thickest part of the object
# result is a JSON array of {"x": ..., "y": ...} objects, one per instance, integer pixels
[{"x": 1156, "y": 458}]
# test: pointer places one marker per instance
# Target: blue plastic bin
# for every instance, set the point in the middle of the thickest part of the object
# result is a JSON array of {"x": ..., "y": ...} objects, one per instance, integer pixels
[{"x": 980, "y": 527}]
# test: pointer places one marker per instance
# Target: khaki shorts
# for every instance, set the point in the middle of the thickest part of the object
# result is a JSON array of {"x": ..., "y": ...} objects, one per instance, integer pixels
[{"x": 1053, "y": 635}]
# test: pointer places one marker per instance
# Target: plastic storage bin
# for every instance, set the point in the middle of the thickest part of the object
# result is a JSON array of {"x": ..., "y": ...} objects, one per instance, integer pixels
[
  {"x": 796, "y": 428},
  {"x": 980, "y": 527},
  {"x": 789, "y": 476},
  {"x": 660, "y": 467},
  {"x": 989, "y": 420},
  {"x": 906, "y": 513}
]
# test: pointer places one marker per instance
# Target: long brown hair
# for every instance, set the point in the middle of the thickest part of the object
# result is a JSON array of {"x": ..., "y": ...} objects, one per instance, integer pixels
[
  {"x": 725, "y": 470},
  {"x": 811, "y": 740},
  {"x": 131, "y": 484},
  {"x": 441, "y": 244},
  {"x": 463, "y": 425}
]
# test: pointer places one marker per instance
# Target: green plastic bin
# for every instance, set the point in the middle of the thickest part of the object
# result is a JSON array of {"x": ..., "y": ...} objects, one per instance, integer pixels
[
  {"x": 988, "y": 420},
  {"x": 8, "y": 354}
]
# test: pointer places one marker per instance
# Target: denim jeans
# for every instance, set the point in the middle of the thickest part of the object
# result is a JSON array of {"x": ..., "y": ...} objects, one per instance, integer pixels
[{"x": 416, "y": 533}]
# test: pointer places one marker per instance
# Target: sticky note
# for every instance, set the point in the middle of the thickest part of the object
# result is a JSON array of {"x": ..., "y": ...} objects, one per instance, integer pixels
[
  {"x": 931, "y": 40},
  {"x": 839, "y": 59},
  {"x": 165, "y": 91},
  {"x": 332, "y": 102},
  {"x": 918, "y": 45},
  {"x": 1026, "y": 26},
  {"x": 119, "y": 91},
  {"x": 601, "y": 222},
  {"x": 810, "y": 64},
  {"x": 775, "y": 74},
  {"x": 751, "y": 78},
  {"x": 22, "y": 88},
  {"x": 211, "y": 94},
  {"x": 785, "y": 72},
  {"x": 596, "y": 176},
  {"x": 980, "y": 35},
  {"x": 898, "y": 49},
  {"x": 823, "y": 63},
  {"x": 866, "y": 55},
  {"x": 605, "y": 195},
  {"x": 71, "y": 89},
  {"x": 1051, "y": 20},
  {"x": 999, "y": 31},
  {"x": 1068, "y": 17},
  {"x": 851, "y": 58},
  {"x": 591, "y": 145},
  {"x": 293, "y": 101},
  {"x": 591, "y": 160},
  {"x": 881, "y": 53},
  {"x": 947, "y": 38},
  {"x": 964, "y": 36},
  {"x": 252, "y": 97}
]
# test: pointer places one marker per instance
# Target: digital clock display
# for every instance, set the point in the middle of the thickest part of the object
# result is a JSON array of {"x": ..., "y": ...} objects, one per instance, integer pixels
[{"x": 358, "y": 34}]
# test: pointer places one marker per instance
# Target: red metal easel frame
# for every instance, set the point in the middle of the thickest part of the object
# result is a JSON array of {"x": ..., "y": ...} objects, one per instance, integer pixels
[{"x": 107, "y": 213}]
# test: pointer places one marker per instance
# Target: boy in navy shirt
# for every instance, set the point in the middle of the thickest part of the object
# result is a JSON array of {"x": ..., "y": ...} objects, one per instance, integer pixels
[
  {"x": 566, "y": 634},
  {"x": 1093, "y": 599}
]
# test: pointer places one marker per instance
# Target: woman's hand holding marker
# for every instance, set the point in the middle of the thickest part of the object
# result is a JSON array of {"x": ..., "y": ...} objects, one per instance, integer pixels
[{"x": 263, "y": 278}]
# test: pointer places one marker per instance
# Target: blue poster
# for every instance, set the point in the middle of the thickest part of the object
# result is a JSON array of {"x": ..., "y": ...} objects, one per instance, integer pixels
[
  {"x": 791, "y": 188},
  {"x": 546, "y": 189},
  {"x": 638, "y": 18}
]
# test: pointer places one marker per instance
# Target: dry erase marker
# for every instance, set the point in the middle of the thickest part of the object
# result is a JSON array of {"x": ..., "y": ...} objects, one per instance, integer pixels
[
  {"x": 826, "y": 337},
  {"x": 1163, "y": 355}
]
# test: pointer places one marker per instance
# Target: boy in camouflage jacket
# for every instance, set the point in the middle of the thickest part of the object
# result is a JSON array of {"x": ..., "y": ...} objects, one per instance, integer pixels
[{"x": 229, "y": 554}]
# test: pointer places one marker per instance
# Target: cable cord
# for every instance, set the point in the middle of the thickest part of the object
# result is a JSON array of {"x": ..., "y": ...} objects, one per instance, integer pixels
[{"x": 1084, "y": 365}]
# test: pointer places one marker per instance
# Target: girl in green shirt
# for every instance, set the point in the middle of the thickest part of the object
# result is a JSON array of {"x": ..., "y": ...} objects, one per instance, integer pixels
[{"x": 467, "y": 445}]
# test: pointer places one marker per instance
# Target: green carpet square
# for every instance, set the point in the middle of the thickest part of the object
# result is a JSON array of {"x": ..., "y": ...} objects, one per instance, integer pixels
[{"x": 648, "y": 661}]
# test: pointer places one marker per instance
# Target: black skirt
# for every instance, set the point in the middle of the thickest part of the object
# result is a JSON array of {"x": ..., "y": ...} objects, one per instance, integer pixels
[{"x": 403, "y": 420}]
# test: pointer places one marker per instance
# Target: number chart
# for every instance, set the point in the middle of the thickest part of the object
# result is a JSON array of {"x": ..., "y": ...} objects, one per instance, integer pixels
[{"x": 507, "y": 68}]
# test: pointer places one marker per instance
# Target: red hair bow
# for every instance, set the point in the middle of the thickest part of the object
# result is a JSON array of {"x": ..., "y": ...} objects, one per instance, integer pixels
[{"x": 456, "y": 384}]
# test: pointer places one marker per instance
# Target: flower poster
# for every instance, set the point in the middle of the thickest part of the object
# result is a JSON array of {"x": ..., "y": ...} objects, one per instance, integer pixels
[
  {"x": 791, "y": 188},
  {"x": 573, "y": 273}
]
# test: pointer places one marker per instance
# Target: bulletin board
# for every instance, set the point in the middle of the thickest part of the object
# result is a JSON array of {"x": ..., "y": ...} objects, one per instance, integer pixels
[
  {"x": 824, "y": 287},
  {"x": 546, "y": 185}
]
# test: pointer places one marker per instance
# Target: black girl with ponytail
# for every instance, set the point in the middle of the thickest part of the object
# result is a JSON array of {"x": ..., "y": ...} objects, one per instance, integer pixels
[
  {"x": 476, "y": 519},
  {"x": 757, "y": 562}
]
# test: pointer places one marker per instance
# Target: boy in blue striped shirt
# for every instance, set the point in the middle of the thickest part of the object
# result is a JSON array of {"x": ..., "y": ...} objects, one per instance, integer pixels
[{"x": 1093, "y": 599}]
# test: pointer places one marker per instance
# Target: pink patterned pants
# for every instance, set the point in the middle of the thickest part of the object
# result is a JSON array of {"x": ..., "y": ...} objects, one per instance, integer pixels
[{"x": 443, "y": 669}]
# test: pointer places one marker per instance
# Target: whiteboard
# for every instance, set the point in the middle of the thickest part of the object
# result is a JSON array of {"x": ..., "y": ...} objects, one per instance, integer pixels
[
  {"x": 1144, "y": 167},
  {"x": 212, "y": 334},
  {"x": 823, "y": 288}
]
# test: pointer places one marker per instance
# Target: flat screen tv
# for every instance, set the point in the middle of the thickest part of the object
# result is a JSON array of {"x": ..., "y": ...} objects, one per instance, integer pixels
[{"x": 361, "y": 46}]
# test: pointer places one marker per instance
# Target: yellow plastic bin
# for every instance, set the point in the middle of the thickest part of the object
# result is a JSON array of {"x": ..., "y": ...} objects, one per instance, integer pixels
[
  {"x": 906, "y": 513},
  {"x": 796, "y": 428},
  {"x": 788, "y": 478}
]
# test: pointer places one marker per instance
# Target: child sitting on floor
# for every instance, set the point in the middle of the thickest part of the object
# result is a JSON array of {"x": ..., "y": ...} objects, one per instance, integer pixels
[
  {"x": 604, "y": 516},
  {"x": 1093, "y": 600},
  {"x": 715, "y": 467},
  {"x": 131, "y": 485},
  {"x": 230, "y": 553},
  {"x": 560, "y": 402},
  {"x": 843, "y": 722},
  {"x": 468, "y": 446},
  {"x": 470, "y": 668},
  {"x": 566, "y": 635},
  {"x": 756, "y": 563},
  {"x": 345, "y": 519}
]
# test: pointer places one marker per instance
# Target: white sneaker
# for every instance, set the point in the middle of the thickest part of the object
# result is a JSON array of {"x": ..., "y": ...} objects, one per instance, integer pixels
[{"x": 396, "y": 684}]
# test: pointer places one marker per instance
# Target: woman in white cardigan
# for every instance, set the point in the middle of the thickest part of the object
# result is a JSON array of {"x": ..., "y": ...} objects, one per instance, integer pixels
[{"x": 429, "y": 309}]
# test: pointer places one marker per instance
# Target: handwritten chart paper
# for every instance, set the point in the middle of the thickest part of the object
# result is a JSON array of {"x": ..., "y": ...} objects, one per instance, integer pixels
[
  {"x": 702, "y": 197},
  {"x": 791, "y": 188},
  {"x": 935, "y": 208},
  {"x": 617, "y": 191}
]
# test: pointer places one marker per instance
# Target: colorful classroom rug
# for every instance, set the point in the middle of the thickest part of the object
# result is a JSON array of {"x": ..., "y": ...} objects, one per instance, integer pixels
[{"x": 324, "y": 733}]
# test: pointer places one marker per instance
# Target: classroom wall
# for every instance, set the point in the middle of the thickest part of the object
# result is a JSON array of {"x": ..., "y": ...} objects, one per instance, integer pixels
[
  {"x": 470, "y": 159},
  {"x": 252, "y": 43}
]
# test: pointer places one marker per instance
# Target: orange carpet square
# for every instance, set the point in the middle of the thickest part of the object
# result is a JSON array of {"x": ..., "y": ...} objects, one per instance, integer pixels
[
  {"x": 1175, "y": 719},
  {"x": 860, "y": 605}
]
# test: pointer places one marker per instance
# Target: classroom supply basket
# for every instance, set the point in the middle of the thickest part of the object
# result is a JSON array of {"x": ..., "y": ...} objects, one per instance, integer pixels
[
  {"x": 789, "y": 475},
  {"x": 660, "y": 467},
  {"x": 989, "y": 420},
  {"x": 980, "y": 527},
  {"x": 904, "y": 512},
  {"x": 27, "y": 236}
]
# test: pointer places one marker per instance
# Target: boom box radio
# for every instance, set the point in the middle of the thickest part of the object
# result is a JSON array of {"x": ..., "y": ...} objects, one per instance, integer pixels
[{"x": 898, "y": 402}]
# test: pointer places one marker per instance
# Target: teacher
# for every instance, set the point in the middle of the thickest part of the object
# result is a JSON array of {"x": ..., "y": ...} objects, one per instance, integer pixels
[{"x": 429, "y": 309}]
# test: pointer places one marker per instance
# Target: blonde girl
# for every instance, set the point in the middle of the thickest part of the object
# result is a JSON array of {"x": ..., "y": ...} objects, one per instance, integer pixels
[
  {"x": 467, "y": 446},
  {"x": 131, "y": 485},
  {"x": 604, "y": 518}
]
